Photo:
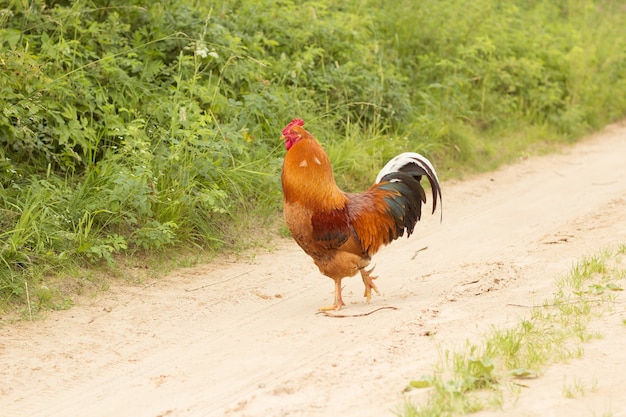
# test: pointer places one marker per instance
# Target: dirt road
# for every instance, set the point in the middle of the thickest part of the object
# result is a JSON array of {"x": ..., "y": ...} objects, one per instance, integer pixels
[{"x": 241, "y": 337}]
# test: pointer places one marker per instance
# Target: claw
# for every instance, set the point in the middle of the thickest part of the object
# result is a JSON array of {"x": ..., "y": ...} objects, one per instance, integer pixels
[{"x": 369, "y": 285}]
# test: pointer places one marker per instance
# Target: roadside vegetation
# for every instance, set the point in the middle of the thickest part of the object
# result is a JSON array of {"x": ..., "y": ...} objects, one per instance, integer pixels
[
  {"x": 142, "y": 129},
  {"x": 490, "y": 373}
]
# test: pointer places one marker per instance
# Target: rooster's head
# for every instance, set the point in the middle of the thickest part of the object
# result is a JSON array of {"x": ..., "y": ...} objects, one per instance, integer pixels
[{"x": 293, "y": 133}]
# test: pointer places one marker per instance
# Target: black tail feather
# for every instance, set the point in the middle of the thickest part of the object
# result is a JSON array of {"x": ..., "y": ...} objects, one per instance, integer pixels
[
  {"x": 403, "y": 175},
  {"x": 406, "y": 202}
]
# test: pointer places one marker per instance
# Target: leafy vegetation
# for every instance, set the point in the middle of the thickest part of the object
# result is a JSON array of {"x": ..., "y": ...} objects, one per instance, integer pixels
[
  {"x": 478, "y": 376},
  {"x": 146, "y": 126}
]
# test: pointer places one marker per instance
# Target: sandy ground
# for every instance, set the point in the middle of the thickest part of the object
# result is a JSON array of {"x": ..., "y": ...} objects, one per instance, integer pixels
[{"x": 242, "y": 338}]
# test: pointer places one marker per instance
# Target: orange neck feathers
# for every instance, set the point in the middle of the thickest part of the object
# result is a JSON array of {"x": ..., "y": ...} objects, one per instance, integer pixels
[{"x": 307, "y": 176}]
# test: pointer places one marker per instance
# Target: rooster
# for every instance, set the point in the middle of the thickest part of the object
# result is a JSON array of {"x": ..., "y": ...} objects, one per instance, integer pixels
[{"x": 342, "y": 231}]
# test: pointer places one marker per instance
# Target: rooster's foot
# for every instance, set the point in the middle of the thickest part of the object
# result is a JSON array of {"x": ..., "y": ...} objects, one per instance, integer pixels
[
  {"x": 369, "y": 284},
  {"x": 338, "y": 300}
]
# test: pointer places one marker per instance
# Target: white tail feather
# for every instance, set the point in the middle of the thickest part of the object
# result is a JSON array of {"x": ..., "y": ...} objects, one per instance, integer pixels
[
  {"x": 404, "y": 159},
  {"x": 414, "y": 164}
]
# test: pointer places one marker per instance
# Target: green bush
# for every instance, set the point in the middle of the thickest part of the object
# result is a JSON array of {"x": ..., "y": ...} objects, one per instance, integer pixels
[
  {"x": 500, "y": 67},
  {"x": 141, "y": 125}
]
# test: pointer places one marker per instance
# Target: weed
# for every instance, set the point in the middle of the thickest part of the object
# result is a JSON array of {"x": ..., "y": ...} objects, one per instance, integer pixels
[
  {"x": 577, "y": 388},
  {"x": 573, "y": 390}
]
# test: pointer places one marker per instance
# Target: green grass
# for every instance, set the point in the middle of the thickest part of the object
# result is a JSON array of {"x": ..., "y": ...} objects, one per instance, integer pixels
[
  {"x": 487, "y": 374},
  {"x": 141, "y": 127},
  {"x": 577, "y": 388}
]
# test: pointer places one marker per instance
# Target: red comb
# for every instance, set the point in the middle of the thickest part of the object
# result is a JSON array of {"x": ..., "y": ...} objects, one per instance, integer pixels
[{"x": 294, "y": 122}]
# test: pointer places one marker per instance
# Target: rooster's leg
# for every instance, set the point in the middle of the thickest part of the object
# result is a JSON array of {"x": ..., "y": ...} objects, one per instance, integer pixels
[
  {"x": 338, "y": 300},
  {"x": 369, "y": 284}
]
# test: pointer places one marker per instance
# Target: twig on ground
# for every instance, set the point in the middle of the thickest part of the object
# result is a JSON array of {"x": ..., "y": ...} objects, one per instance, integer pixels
[
  {"x": 418, "y": 251},
  {"x": 327, "y": 314},
  {"x": 219, "y": 282},
  {"x": 149, "y": 285}
]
